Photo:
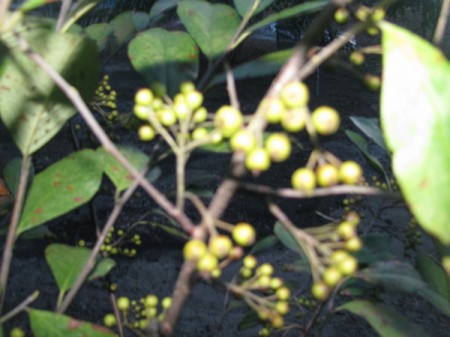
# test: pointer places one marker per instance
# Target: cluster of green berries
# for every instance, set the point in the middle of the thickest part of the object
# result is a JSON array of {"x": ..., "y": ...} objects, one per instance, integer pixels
[
  {"x": 339, "y": 263},
  {"x": 213, "y": 256},
  {"x": 413, "y": 236},
  {"x": 118, "y": 242},
  {"x": 263, "y": 292},
  {"x": 139, "y": 314},
  {"x": 363, "y": 13},
  {"x": 325, "y": 175},
  {"x": 184, "y": 112},
  {"x": 105, "y": 100}
]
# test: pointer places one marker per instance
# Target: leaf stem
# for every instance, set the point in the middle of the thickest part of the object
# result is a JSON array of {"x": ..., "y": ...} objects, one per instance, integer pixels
[{"x": 442, "y": 23}]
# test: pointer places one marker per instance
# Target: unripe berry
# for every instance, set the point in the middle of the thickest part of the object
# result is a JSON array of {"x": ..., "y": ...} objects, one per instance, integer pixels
[
  {"x": 295, "y": 95},
  {"x": 350, "y": 172},
  {"x": 199, "y": 133},
  {"x": 341, "y": 16},
  {"x": 146, "y": 133},
  {"x": 123, "y": 303},
  {"x": 294, "y": 120},
  {"x": 243, "y": 140},
  {"x": 282, "y": 307},
  {"x": 265, "y": 269},
  {"x": 303, "y": 179},
  {"x": 244, "y": 234},
  {"x": 207, "y": 263},
  {"x": 166, "y": 116},
  {"x": 220, "y": 246},
  {"x": 142, "y": 112},
  {"x": 320, "y": 291},
  {"x": 250, "y": 262},
  {"x": 200, "y": 115},
  {"x": 228, "y": 120},
  {"x": 273, "y": 109},
  {"x": 194, "y": 249},
  {"x": 346, "y": 230},
  {"x": 276, "y": 283},
  {"x": 332, "y": 276},
  {"x": 258, "y": 160},
  {"x": 144, "y": 97},
  {"x": 109, "y": 320},
  {"x": 279, "y": 147},
  {"x": 194, "y": 99},
  {"x": 283, "y": 294},
  {"x": 17, "y": 332},
  {"x": 325, "y": 120},
  {"x": 327, "y": 175},
  {"x": 166, "y": 303},
  {"x": 348, "y": 265},
  {"x": 357, "y": 58},
  {"x": 372, "y": 82},
  {"x": 277, "y": 322},
  {"x": 187, "y": 87},
  {"x": 354, "y": 244},
  {"x": 151, "y": 301}
]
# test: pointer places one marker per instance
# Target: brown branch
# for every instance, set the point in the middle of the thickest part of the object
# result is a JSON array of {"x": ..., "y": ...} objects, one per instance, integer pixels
[{"x": 442, "y": 23}]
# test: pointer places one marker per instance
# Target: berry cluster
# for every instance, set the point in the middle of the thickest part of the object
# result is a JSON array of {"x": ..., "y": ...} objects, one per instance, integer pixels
[
  {"x": 118, "y": 242},
  {"x": 139, "y": 314},
  {"x": 265, "y": 293},
  {"x": 105, "y": 100},
  {"x": 184, "y": 115},
  {"x": 337, "y": 242},
  {"x": 211, "y": 258},
  {"x": 413, "y": 236}
]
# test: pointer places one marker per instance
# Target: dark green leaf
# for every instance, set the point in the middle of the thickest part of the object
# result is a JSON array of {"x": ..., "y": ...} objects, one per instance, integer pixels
[
  {"x": 50, "y": 324},
  {"x": 11, "y": 173},
  {"x": 400, "y": 276},
  {"x": 386, "y": 321},
  {"x": 164, "y": 59},
  {"x": 61, "y": 187},
  {"x": 101, "y": 33},
  {"x": 286, "y": 238},
  {"x": 249, "y": 320},
  {"x": 433, "y": 274},
  {"x": 212, "y": 26},
  {"x": 159, "y": 7},
  {"x": 415, "y": 116},
  {"x": 31, "y": 106},
  {"x": 376, "y": 247},
  {"x": 120, "y": 177},
  {"x": 125, "y": 27},
  {"x": 264, "y": 244},
  {"x": 370, "y": 127}
]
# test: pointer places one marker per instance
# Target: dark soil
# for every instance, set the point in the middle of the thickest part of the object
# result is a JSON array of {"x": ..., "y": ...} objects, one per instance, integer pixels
[{"x": 155, "y": 268}]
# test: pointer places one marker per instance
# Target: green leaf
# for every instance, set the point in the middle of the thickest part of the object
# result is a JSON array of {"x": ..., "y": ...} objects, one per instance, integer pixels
[
  {"x": 63, "y": 186},
  {"x": 286, "y": 238},
  {"x": 386, "y": 321},
  {"x": 164, "y": 59},
  {"x": 243, "y": 6},
  {"x": 400, "y": 276},
  {"x": 266, "y": 65},
  {"x": 125, "y": 27},
  {"x": 415, "y": 116},
  {"x": 376, "y": 247},
  {"x": 433, "y": 274},
  {"x": 264, "y": 244},
  {"x": 120, "y": 177},
  {"x": 29, "y": 5},
  {"x": 302, "y": 9},
  {"x": 101, "y": 33},
  {"x": 11, "y": 173},
  {"x": 31, "y": 106},
  {"x": 370, "y": 127},
  {"x": 67, "y": 262},
  {"x": 363, "y": 146},
  {"x": 50, "y": 324},
  {"x": 212, "y": 26},
  {"x": 249, "y": 320}
]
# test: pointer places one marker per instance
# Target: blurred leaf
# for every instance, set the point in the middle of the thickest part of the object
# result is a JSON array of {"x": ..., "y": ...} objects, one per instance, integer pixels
[
  {"x": 400, "y": 276},
  {"x": 286, "y": 238},
  {"x": 263, "y": 244},
  {"x": 67, "y": 262},
  {"x": 125, "y": 27},
  {"x": 50, "y": 324},
  {"x": 101, "y": 33},
  {"x": 433, "y": 274},
  {"x": 370, "y": 127},
  {"x": 243, "y": 6},
  {"x": 212, "y": 26},
  {"x": 386, "y": 321},
  {"x": 11, "y": 172},
  {"x": 159, "y": 7},
  {"x": 120, "y": 177},
  {"x": 164, "y": 59},
  {"x": 222, "y": 147},
  {"x": 266, "y": 65},
  {"x": 376, "y": 247},
  {"x": 415, "y": 116},
  {"x": 298, "y": 10},
  {"x": 29, "y": 5},
  {"x": 31, "y": 105},
  {"x": 61, "y": 187},
  {"x": 154, "y": 174},
  {"x": 362, "y": 145},
  {"x": 249, "y": 320}
]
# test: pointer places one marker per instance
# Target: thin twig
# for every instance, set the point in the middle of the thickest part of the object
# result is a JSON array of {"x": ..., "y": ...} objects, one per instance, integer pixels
[
  {"x": 90, "y": 263},
  {"x": 12, "y": 230},
  {"x": 231, "y": 87},
  {"x": 22, "y": 306},
  {"x": 442, "y": 23},
  {"x": 65, "y": 6},
  {"x": 74, "y": 96},
  {"x": 313, "y": 319},
  {"x": 117, "y": 314}
]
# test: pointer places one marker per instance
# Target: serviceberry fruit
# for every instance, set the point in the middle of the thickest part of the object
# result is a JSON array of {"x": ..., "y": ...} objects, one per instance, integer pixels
[
  {"x": 325, "y": 120},
  {"x": 244, "y": 234}
]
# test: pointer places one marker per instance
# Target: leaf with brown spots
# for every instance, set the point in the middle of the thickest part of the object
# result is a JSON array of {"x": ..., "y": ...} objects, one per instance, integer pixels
[
  {"x": 51, "y": 324},
  {"x": 80, "y": 173},
  {"x": 116, "y": 172}
]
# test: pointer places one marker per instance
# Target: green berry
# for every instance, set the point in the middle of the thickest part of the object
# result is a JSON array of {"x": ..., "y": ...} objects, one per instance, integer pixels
[
  {"x": 144, "y": 97},
  {"x": 258, "y": 160},
  {"x": 320, "y": 291},
  {"x": 350, "y": 172},
  {"x": 346, "y": 230},
  {"x": 200, "y": 115},
  {"x": 250, "y": 262},
  {"x": 207, "y": 263},
  {"x": 244, "y": 234},
  {"x": 142, "y": 112},
  {"x": 220, "y": 246},
  {"x": 294, "y": 120},
  {"x": 327, "y": 175},
  {"x": 17, "y": 332},
  {"x": 303, "y": 179},
  {"x": 146, "y": 133},
  {"x": 194, "y": 249},
  {"x": 325, "y": 120},
  {"x": 199, "y": 133},
  {"x": 283, "y": 294},
  {"x": 279, "y": 147},
  {"x": 273, "y": 109},
  {"x": 243, "y": 140},
  {"x": 282, "y": 307},
  {"x": 109, "y": 320},
  {"x": 194, "y": 99},
  {"x": 265, "y": 269},
  {"x": 123, "y": 303},
  {"x": 151, "y": 301},
  {"x": 332, "y": 276},
  {"x": 228, "y": 120},
  {"x": 295, "y": 95}
]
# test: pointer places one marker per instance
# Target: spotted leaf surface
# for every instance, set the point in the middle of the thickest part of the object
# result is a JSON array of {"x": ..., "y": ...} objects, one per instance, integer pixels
[
  {"x": 31, "y": 106},
  {"x": 121, "y": 178},
  {"x": 51, "y": 324},
  {"x": 62, "y": 187}
]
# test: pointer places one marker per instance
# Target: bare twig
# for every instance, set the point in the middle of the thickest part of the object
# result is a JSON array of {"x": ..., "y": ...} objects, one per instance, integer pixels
[
  {"x": 90, "y": 263},
  {"x": 74, "y": 96},
  {"x": 22, "y": 306},
  {"x": 12, "y": 230},
  {"x": 442, "y": 23},
  {"x": 65, "y": 6}
]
